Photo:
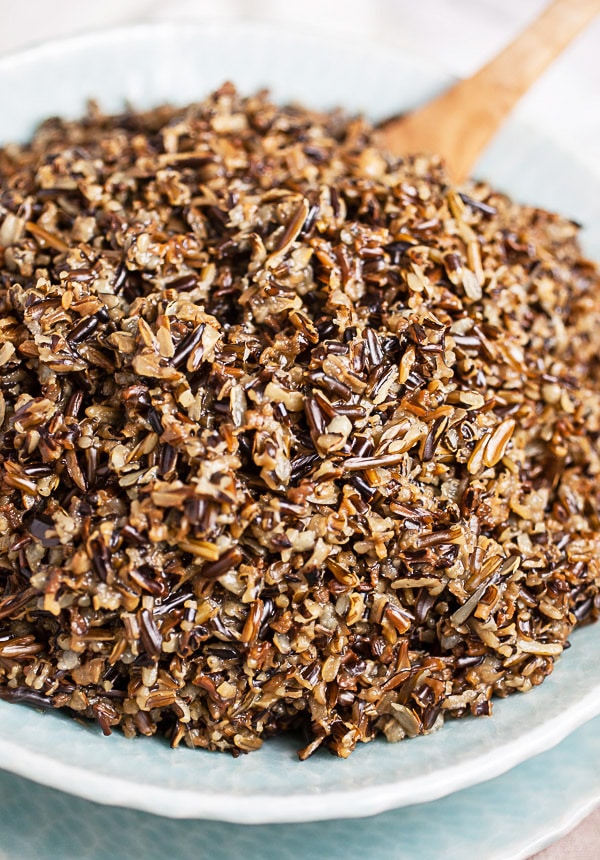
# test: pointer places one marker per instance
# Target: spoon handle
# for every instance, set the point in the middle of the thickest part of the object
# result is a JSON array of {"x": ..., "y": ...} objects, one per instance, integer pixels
[{"x": 461, "y": 122}]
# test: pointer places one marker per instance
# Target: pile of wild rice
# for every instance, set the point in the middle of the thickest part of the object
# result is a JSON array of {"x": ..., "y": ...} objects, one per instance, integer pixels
[{"x": 292, "y": 435}]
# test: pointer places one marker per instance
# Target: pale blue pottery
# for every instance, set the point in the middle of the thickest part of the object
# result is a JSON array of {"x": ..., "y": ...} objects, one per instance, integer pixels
[
  {"x": 153, "y": 63},
  {"x": 271, "y": 785},
  {"x": 506, "y": 819}
]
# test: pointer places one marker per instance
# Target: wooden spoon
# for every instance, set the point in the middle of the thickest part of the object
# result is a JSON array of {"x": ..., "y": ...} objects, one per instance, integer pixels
[{"x": 460, "y": 123}]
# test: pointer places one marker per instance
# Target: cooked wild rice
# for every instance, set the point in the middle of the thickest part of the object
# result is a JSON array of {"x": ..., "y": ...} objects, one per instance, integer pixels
[{"x": 293, "y": 435}]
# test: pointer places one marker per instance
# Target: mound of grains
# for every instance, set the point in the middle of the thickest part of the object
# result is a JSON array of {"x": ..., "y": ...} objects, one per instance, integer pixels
[{"x": 293, "y": 435}]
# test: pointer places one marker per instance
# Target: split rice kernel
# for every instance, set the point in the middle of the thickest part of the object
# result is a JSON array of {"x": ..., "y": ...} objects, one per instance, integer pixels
[{"x": 293, "y": 435}]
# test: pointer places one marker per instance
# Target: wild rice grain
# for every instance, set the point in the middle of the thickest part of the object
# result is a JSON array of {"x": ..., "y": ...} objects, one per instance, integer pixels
[{"x": 293, "y": 435}]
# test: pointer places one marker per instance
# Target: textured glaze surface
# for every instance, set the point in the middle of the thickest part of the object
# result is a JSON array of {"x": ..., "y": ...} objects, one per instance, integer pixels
[
  {"x": 152, "y": 64},
  {"x": 506, "y": 819}
]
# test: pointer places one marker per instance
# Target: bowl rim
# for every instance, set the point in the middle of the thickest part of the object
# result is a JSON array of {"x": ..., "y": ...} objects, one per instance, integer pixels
[
  {"x": 297, "y": 808},
  {"x": 184, "y": 803},
  {"x": 163, "y": 23}
]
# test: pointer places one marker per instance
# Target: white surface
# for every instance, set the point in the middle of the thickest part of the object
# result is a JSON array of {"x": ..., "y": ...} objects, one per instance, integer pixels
[{"x": 153, "y": 63}]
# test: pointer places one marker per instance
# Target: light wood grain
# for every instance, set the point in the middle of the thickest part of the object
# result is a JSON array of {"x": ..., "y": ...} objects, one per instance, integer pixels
[{"x": 461, "y": 122}]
